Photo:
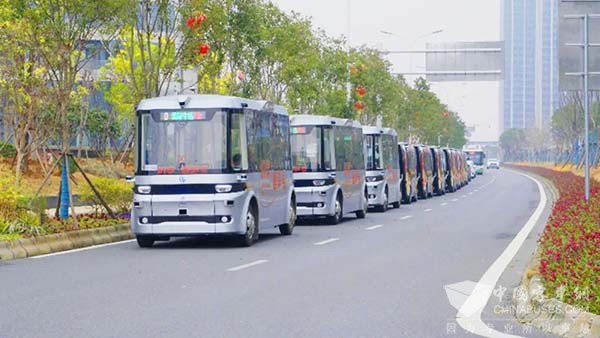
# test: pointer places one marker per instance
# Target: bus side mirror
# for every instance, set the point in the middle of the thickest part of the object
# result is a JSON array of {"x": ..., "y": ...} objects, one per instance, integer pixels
[{"x": 130, "y": 178}]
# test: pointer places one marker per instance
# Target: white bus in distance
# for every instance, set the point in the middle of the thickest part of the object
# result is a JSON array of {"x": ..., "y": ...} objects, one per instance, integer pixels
[
  {"x": 329, "y": 168},
  {"x": 383, "y": 167}
]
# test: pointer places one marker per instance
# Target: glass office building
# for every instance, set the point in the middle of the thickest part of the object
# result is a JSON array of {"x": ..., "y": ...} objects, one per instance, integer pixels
[{"x": 530, "y": 84}]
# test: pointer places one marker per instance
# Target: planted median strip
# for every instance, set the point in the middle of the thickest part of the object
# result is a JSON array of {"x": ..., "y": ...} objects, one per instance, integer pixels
[{"x": 562, "y": 284}]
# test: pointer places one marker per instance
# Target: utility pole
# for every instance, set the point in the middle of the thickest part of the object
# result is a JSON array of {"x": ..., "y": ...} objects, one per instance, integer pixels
[{"x": 585, "y": 73}]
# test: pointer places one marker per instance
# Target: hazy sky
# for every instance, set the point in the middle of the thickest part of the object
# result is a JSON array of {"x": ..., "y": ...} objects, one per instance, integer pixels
[{"x": 410, "y": 20}]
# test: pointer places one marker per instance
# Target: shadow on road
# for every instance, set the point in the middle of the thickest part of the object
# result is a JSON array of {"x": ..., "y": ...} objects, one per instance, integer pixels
[{"x": 209, "y": 242}]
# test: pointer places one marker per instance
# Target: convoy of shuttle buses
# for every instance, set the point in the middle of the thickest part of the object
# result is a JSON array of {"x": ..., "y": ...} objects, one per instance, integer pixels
[{"x": 209, "y": 165}]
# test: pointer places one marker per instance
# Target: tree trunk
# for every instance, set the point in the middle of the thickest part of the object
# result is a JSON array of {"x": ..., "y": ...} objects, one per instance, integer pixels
[{"x": 20, "y": 165}]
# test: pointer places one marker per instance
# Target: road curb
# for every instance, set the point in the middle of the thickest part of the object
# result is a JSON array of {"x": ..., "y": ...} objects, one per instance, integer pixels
[{"x": 41, "y": 245}]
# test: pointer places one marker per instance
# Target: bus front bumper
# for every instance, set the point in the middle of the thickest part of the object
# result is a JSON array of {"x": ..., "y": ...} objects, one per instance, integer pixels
[
  {"x": 375, "y": 191},
  {"x": 188, "y": 215},
  {"x": 315, "y": 201}
]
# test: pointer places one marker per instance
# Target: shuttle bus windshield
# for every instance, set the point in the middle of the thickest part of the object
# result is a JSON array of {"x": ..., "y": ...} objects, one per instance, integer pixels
[
  {"x": 312, "y": 149},
  {"x": 192, "y": 142},
  {"x": 373, "y": 146}
]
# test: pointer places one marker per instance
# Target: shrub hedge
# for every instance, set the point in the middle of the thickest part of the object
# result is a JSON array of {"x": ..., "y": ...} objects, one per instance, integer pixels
[{"x": 570, "y": 245}]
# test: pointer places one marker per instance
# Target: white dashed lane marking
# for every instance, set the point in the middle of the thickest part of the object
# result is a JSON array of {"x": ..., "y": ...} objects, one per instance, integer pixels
[
  {"x": 374, "y": 227},
  {"x": 327, "y": 241},
  {"x": 249, "y": 265}
]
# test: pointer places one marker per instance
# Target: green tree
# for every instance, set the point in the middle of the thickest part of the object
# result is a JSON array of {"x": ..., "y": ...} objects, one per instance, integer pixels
[
  {"x": 512, "y": 142},
  {"x": 150, "y": 55},
  {"x": 62, "y": 29},
  {"x": 22, "y": 83}
]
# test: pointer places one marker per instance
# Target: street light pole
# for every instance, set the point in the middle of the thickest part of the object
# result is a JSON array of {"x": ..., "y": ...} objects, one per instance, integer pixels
[
  {"x": 586, "y": 99},
  {"x": 585, "y": 76},
  {"x": 438, "y": 31},
  {"x": 414, "y": 41}
]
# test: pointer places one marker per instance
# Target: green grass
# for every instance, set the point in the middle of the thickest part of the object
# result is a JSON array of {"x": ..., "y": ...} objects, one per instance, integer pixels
[{"x": 9, "y": 237}]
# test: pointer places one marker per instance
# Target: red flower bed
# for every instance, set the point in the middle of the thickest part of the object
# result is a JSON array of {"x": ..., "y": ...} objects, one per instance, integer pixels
[{"x": 570, "y": 245}]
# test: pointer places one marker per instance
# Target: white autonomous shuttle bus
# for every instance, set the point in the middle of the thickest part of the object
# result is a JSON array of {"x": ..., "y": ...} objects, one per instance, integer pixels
[
  {"x": 329, "y": 168},
  {"x": 383, "y": 167},
  {"x": 208, "y": 164}
]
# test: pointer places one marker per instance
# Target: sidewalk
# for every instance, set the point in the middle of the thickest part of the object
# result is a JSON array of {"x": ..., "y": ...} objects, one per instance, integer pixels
[{"x": 79, "y": 210}]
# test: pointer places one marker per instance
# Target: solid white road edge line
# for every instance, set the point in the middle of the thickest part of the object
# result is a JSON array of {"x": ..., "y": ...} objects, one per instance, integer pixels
[
  {"x": 483, "y": 290},
  {"x": 374, "y": 227},
  {"x": 245, "y": 266},
  {"x": 327, "y": 241},
  {"x": 82, "y": 249}
]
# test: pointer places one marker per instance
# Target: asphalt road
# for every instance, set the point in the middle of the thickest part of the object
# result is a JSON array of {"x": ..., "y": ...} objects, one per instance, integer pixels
[{"x": 383, "y": 276}]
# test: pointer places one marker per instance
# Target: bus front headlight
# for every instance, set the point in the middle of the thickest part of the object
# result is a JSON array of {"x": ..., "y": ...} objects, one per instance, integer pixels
[
  {"x": 143, "y": 189},
  {"x": 222, "y": 188},
  {"x": 377, "y": 178}
]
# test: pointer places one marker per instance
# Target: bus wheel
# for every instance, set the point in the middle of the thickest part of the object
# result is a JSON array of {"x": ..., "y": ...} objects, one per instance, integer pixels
[
  {"x": 384, "y": 206},
  {"x": 396, "y": 204},
  {"x": 339, "y": 211},
  {"x": 407, "y": 197},
  {"x": 145, "y": 241},
  {"x": 288, "y": 228},
  {"x": 415, "y": 197},
  {"x": 251, "y": 234},
  {"x": 363, "y": 213}
]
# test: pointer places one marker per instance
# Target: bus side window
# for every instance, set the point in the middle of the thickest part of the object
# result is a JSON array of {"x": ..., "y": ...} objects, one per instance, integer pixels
[
  {"x": 395, "y": 154},
  {"x": 239, "y": 153},
  {"x": 252, "y": 127},
  {"x": 340, "y": 152},
  {"x": 284, "y": 126},
  {"x": 329, "y": 162},
  {"x": 358, "y": 160}
]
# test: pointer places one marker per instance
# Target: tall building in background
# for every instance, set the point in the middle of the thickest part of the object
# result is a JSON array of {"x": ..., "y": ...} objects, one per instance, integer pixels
[
  {"x": 530, "y": 85},
  {"x": 547, "y": 56}
]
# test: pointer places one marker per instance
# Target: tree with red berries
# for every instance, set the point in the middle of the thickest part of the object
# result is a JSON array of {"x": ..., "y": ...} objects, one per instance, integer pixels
[{"x": 155, "y": 43}]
